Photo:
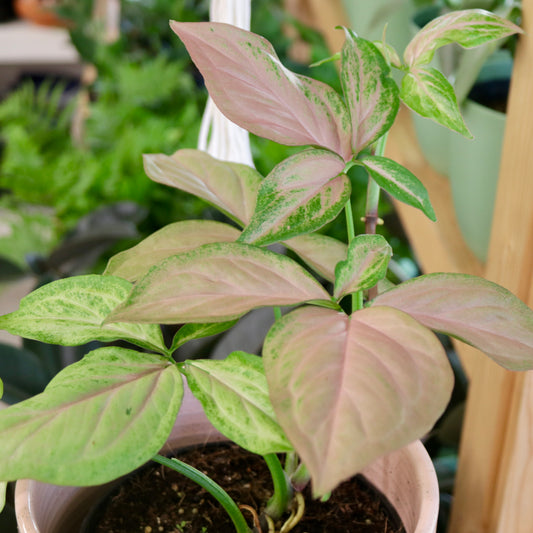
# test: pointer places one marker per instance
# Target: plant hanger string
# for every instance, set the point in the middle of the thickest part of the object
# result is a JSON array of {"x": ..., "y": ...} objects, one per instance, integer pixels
[{"x": 220, "y": 137}]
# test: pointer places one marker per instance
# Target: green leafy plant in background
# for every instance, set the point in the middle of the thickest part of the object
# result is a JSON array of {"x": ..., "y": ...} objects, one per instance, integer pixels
[{"x": 346, "y": 375}]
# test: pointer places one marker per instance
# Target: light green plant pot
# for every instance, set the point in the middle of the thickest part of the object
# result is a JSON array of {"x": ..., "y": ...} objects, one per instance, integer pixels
[
  {"x": 473, "y": 172},
  {"x": 369, "y": 17}
]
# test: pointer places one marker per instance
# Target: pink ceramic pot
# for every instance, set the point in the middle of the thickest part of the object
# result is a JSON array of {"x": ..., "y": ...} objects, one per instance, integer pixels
[{"x": 406, "y": 477}]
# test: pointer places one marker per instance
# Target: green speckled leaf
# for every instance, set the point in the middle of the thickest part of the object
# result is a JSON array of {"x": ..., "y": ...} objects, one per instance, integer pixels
[
  {"x": 371, "y": 94},
  {"x": 301, "y": 194},
  {"x": 173, "y": 239},
  {"x": 71, "y": 312},
  {"x": 97, "y": 420},
  {"x": 217, "y": 283},
  {"x": 367, "y": 262},
  {"x": 429, "y": 93},
  {"x": 248, "y": 83},
  {"x": 469, "y": 28},
  {"x": 400, "y": 183},
  {"x": 230, "y": 187},
  {"x": 234, "y": 395}
]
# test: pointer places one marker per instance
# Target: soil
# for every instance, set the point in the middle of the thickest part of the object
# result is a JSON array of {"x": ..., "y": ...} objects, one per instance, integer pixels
[{"x": 159, "y": 500}]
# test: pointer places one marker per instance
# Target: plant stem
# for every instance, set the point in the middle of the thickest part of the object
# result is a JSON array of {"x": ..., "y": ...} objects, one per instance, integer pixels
[
  {"x": 210, "y": 486},
  {"x": 277, "y": 313},
  {"x": 279, "y": 502}
]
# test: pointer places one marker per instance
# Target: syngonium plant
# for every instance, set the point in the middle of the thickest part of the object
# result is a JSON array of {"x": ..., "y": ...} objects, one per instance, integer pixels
[{"x": 345, "y": 376}]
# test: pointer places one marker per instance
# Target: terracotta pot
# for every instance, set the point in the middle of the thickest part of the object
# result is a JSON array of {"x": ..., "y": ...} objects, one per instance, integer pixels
[
  {"x": 39, "y": 12},
  {"x": 406, "y": 477}
]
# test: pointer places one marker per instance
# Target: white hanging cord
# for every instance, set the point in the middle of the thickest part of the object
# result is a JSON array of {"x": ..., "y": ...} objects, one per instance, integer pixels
[{"x": 220, "y": 137}]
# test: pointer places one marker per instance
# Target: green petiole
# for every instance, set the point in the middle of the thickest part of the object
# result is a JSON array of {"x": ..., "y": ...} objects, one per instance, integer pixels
[
  {"x": 210, "y": 486},
  {"x": 279, "y": 502}
]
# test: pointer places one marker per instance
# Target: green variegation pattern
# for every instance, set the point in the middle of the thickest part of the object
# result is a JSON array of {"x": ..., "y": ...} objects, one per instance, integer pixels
[
  {"x": 468, "y": 28},
  {"x": 217, "y": 283},
  {"x": 428, "y": 92},
  {"x": 97, "y": 420},
  {"x": 371, "y": 94},
  {"x": 230, "y": 187},
  {"x": 367, "y": 262},
  {"x": 399, "y": 183},
  {"x": 71, "y": 312},
  {"x": 234, "y": 395},
  {"x": 248, "y": 83},
  {"x": 173, "y": 239},
  {"x": 301, "y": 194}
]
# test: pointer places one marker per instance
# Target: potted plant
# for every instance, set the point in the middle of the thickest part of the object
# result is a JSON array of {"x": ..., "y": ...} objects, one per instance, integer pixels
[{"x": 345, "y": 377}]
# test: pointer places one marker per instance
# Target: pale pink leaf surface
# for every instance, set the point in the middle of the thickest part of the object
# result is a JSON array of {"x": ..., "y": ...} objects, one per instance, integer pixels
[
  {"x": 472, "y": 309},
  {"x": 347, "y": 390},
  {"x": 248, "y": 83},
  {"x": 215, "y": 283},
  {"x": 231, "y": 187},
  {"x": 173, "y": 239},
  {"x": 320, "y": 252},
  {"x": 469, "y": 28},
  {"x": 366, "y": 264},
  {"x": 301, "y": 194},
  {"x": 371, "y": 94}
]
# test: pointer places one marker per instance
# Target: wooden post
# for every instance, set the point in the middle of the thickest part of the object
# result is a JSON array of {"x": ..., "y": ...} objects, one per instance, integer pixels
[{"x": 494, "y": 487}]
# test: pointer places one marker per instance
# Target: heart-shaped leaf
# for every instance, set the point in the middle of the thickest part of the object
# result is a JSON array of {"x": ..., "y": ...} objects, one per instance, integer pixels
[
  {"x": 399, "y": 183},
  {"x": 300, "y": 195},
  {"x": 216, "y": 283},
  {"x": 367, "y": 262},
  {"x": 468, "y": 28},
  {"x": 371, "y": 94},
  {"x": 430, "y": 94},
  {"x": 189, "y": 332},
  {"x": 71, "y": 312},
  {"x": 477, "y": 311},
  {"x": 248, "y": 83},
  {"x": 320, "y": 252},
  {"x": 347, "y": 390},
  {"x": 230, "y": 187},
  {"x": 127, "y": 401},
  {"x": 234, "y": 395},
  {"x": 173, "y": 239}
]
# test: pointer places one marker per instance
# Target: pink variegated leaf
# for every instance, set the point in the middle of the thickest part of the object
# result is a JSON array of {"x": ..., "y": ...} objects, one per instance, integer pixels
[
  {"x": 366, "y": 264},
  {"x": 474, "y": 310},
  {"x": 230, "y": 187},
  {"x": 430, "y": 94},
  {"x": 248, "y": 83},
  {"x": 217, "y": 283},
  {"x": 320, "y": 252},
  {"x": 173, "y": 239},
  {"x": 468, "y": 28},
  {"x": 371, "y": 94},
  {"x": 368, "y": 383},
  {"x": 300, "y": 195}
]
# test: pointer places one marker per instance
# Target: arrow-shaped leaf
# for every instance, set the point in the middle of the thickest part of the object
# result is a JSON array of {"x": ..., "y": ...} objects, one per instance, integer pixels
[
  {"x": 320, "y": 252},
  {"x": 371, "y": 94},
  {"x": 300, "y": 195},
  {"x": 189, "y": 332},
  {"x": 248, "y": 83},
  {"x": 234, "y": 395},
  {"x": 217, "y": 283},
  {"x": 477, "y": 311},
  {"x": 399, "y": 183},
  {"x": 97, "y": 420},
  {"x": 468, "y": 28},
  {"x": 230, "y": 187},
  {"x": 430, "y": 94},
  {"x": 367, "y": 384},
  {"x": 71, "y": 312},
  {"x": 367, "y": 262},
  {"x": 173, "y": 239}
]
